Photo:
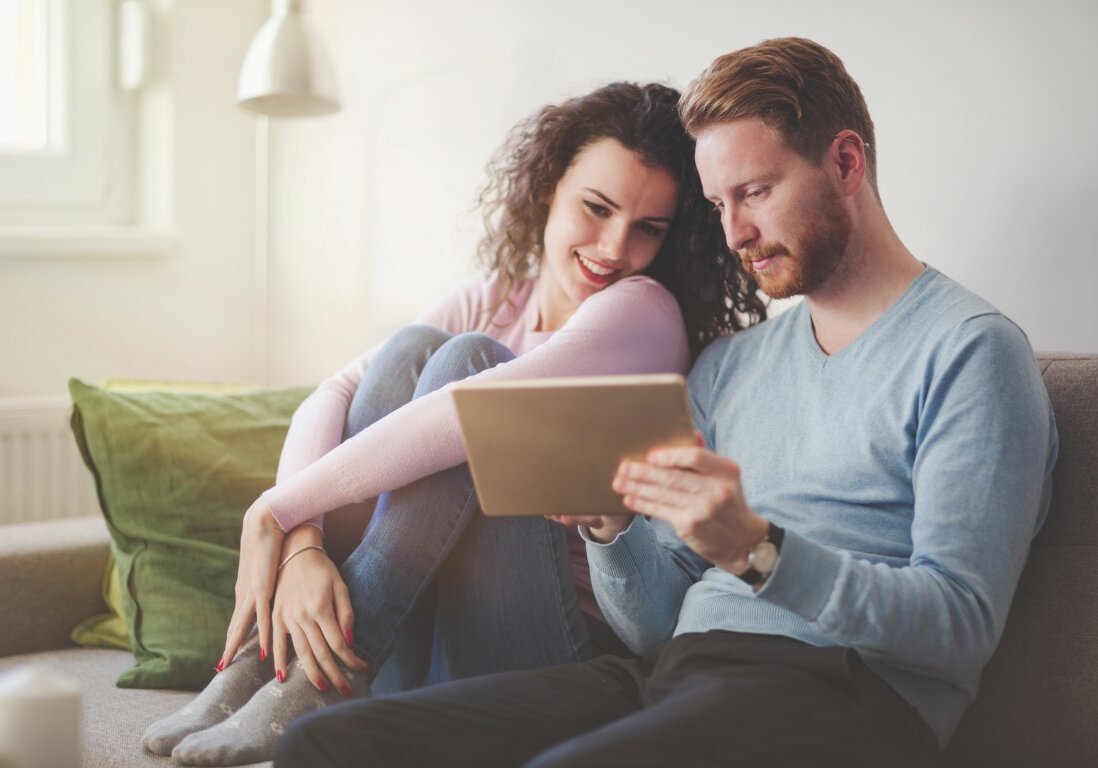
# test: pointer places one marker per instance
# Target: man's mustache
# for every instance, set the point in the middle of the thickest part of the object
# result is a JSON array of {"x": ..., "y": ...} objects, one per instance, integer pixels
[{"x": 760, "y": 252}]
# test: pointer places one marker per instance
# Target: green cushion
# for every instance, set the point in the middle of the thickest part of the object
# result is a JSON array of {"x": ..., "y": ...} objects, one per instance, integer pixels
[
  {"x": 175, "y": 472},
  {"x": 106, "y": 630}
]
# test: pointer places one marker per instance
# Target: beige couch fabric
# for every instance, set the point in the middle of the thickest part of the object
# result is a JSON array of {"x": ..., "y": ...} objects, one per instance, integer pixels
[{"x": 114, "y": 718}]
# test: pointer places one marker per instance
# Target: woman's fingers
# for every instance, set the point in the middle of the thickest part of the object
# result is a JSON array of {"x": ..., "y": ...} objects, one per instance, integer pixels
[
  {"x": 239, "y": 624},
  {"x": 263, "y": 624},
  {"x": 345, "y": 617},
  {"x": 305, "y": 658},
  {"x": 326, "y": 669},
  {"x": 278, "y": 646}
]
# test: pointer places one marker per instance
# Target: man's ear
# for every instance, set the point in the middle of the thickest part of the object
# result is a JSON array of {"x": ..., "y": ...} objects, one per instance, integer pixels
[{"x": 848, "y": 157}]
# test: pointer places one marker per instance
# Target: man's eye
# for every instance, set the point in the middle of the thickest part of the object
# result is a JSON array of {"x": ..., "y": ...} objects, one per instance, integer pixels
[
  {"x": 756, "y": 194},
  {"x": 599, "y": 210}
]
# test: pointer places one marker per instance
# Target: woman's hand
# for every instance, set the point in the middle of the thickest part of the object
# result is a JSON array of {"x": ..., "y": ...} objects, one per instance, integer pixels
[
  {"x": 312, "y": 606},
  {"x": 601, "y": 528},
  {"x": 260, "y": 548}
]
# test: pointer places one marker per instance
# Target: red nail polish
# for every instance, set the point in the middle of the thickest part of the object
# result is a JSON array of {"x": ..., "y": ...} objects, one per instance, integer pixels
[
  {"x": 322, "y": 685},
  {"x": 350, "y": 635},
  {"x": 220, "y": 665},
  {"x": 345, "y": 690},
  {"x": 281, "y": 676},
  {"x": 262, "y": 653}
]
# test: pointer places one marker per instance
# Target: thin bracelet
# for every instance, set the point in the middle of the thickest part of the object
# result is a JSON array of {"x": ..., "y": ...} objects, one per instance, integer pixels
[{"x": 297, "y": 552}]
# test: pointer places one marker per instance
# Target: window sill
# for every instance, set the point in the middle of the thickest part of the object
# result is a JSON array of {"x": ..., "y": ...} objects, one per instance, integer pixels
[{"x": 86, "y": 242}]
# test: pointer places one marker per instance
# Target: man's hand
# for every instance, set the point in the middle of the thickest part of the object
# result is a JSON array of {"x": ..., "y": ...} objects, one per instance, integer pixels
[{"x": 699, "y": 493}]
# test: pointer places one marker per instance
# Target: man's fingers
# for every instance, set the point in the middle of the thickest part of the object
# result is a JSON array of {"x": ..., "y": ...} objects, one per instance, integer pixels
[
  {"x": 650, "y": 507},
  {"x": 696, "y": 458},
  {"x": 659, "y": 482}
]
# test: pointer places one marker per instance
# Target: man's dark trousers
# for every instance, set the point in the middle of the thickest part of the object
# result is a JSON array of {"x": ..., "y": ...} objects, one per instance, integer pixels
[{"x": 711, "y": 699}]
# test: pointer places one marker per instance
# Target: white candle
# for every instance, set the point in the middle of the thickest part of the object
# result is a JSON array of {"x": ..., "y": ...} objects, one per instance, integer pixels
[{"x": 39, "y": 719}]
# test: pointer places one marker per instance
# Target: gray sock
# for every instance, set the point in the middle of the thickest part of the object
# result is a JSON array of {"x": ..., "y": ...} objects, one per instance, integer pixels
[
  {"x": 250, "y": 735},
  {"x": 226, "y": 693}
]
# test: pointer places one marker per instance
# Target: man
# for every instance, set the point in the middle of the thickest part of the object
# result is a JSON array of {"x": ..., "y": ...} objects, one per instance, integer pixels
[{"x": 847, "y": 548}]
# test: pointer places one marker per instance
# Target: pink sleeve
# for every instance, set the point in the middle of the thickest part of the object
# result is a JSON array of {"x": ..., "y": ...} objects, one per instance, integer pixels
[
  {"x": 317, "y": 424},
  {"x": 631, "y": 327}
]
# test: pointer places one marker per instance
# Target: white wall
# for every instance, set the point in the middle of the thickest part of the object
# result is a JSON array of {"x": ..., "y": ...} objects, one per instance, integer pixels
[
  {"x": 985, "y": 120},
  {"x": 985, "y": 114},
  {"x": 186, "y": 316}
]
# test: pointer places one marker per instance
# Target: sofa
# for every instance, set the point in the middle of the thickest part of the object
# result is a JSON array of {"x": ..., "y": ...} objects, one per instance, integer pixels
[{"x": 1038, "y": 704}]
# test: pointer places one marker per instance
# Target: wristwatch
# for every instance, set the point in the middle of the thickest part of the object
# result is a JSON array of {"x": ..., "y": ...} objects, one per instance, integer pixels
[{"x": 763, "y": 557}]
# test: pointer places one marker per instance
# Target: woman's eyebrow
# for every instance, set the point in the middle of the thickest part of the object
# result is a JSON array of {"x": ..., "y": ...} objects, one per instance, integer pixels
[
  {"x": 603, "y": 197},
  {"x": 616, "y": 207}
]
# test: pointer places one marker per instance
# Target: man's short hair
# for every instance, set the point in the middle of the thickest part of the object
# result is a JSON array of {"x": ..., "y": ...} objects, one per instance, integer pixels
[{"x": 794, "y": 85}]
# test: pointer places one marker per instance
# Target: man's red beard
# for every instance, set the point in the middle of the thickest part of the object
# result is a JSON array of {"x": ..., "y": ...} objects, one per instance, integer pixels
[{"x": 817, "y": 253}]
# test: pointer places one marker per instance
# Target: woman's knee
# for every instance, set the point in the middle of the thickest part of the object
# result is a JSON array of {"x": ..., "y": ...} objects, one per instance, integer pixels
[
  {"x": 418, "y": 338},
  {"x": 392, "y": 375},
  {"x": 461, "y": 357}
]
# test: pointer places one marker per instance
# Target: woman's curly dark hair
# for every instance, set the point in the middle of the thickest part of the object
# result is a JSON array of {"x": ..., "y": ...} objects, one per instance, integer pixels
[{"x": 714, "y": 293}]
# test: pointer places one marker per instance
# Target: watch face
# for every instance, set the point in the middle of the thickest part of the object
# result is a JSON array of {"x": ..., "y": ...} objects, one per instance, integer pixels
[{"x": 763, "y": 557}]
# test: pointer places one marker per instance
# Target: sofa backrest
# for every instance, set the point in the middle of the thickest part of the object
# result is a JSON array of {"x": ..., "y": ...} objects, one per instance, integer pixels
[{"x": 1038, "y": 701}]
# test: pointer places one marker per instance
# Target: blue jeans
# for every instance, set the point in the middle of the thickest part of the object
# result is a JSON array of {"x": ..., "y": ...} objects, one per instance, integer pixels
[{"x": 441, "y": 592}]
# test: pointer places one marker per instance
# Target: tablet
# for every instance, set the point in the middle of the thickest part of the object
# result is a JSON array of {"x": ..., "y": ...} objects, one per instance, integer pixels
[{"x": 552, "y": 446}]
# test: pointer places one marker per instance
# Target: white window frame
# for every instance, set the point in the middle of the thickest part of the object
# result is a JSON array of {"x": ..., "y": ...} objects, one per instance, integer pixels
[{"x": 106, "y": 192}]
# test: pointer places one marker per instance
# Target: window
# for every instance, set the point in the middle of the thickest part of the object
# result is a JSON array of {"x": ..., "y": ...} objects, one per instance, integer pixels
[
  {"x": 25, "y": 77},
  {"x": 74, "y": 179}
]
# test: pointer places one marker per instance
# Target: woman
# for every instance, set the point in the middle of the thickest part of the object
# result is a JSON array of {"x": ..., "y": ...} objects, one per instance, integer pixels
[{"x": 602, "y": 258}]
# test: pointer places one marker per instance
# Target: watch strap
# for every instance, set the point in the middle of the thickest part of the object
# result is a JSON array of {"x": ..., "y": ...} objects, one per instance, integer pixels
[{"x": 774, "y": 534}]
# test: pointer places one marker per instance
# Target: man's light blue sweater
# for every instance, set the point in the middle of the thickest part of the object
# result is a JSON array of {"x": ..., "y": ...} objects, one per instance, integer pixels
[{"x": 910, "y": 471}]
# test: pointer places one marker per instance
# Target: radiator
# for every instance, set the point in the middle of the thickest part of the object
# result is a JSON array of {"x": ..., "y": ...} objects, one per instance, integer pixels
[{"x": 41, "y": 473}]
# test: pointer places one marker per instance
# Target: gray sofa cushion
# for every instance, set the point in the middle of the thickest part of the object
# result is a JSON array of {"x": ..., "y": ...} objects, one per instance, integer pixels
[
  {"x": 1038, "y": 701},
  {"x": 114, "y": 718}
]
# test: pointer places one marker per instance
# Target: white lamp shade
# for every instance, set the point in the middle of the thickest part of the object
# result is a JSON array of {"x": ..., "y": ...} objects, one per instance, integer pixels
[{"x": 287, "y": 71}]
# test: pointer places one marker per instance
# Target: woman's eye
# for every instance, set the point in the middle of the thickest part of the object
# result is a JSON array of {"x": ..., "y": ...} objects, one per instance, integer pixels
[
  {"x": 599, "y": 210},
  {"x": 718, "y": 209},
  {"x": 651, "y": 229}
]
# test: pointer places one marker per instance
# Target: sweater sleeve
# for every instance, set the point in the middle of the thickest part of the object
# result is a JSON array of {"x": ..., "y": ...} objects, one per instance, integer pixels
[
  {"x": 641, "y": 577},
  {"x": 318, "y": 423},
  {"x": 985, "y": 446},
  {"x": 631, "y": 327}
]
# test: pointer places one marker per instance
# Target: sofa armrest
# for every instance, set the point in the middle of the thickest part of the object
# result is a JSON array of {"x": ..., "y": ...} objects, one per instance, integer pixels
[{"x": 51, "y": 578}]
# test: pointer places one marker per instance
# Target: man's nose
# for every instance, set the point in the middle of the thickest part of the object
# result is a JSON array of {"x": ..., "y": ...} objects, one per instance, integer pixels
[{"x": 739, "y": 230}]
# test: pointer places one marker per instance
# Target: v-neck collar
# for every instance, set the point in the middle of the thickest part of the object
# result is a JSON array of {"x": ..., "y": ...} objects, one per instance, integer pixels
[{"x": 824, "y": 359}]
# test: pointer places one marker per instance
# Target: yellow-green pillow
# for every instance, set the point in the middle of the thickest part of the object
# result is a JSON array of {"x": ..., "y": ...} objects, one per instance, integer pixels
[
  {"x": 175, "y": 472},
  {"x": 108, "y": 630}
]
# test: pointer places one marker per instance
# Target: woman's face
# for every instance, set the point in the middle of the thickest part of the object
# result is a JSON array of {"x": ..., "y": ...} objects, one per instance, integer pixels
[{"x": 608, "y": 217}]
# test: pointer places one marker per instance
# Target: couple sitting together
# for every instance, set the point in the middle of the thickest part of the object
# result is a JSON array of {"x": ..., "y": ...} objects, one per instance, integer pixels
[{"x": 818, "y": 582}]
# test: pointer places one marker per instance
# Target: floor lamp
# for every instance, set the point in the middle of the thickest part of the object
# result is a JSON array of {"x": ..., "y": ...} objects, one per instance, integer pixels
[{"x": 287, "y": 72}]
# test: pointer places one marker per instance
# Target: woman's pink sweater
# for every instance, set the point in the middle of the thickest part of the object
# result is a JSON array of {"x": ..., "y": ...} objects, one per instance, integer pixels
[{"x": 633, "y": 326}]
